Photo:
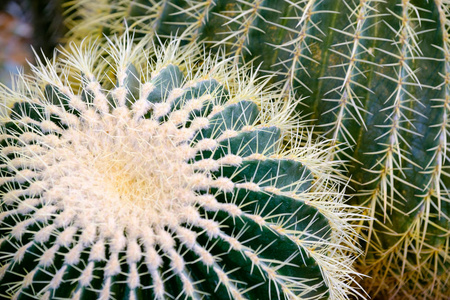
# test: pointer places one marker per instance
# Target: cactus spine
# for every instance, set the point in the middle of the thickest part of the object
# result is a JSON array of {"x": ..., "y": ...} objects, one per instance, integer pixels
[
  {"x": 171, "y": 178},
  {"x": 375, "y": 78}
]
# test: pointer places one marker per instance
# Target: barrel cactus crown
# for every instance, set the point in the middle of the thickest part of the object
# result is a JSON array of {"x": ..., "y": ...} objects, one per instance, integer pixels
[
  {"x": 175, "y": 176},
  {"x": 375, "y": 75}
]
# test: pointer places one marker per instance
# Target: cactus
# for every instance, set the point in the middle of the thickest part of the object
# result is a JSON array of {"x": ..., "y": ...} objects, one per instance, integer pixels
[
  {"x": 374, "y": 76},
  {"x": 178, "y": 176}
]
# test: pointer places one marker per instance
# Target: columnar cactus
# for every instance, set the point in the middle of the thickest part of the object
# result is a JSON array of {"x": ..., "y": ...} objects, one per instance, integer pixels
[
  {"x": 375, "y": 77},
  {"x": 176, "y": 176}
]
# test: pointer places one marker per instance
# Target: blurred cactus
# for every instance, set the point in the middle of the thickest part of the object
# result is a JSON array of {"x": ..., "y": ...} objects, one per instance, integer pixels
[
  {"x": 178, "y": 176},
  {"x": 375, "y": 77}
]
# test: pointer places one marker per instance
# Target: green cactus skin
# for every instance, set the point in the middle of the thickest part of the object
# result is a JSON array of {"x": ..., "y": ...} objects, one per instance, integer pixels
[
  {"x": 375, "y": 77},
  {"x": 171, "y": 180}
]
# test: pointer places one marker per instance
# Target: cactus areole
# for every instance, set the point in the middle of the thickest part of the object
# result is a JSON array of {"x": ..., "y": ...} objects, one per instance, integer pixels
[{"x": 170, "y": 180}]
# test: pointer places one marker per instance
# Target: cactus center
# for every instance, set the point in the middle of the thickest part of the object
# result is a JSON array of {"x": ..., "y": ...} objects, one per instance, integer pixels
[
  {"x": 112, "y": 171},
  {"x": 145, "y": 171}
]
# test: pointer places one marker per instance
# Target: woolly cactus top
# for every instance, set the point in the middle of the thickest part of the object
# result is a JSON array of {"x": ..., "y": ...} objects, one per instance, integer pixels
[{"x": 169, "y": 178}]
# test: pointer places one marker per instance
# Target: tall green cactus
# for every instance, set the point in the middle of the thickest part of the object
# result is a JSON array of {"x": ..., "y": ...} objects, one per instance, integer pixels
[
  {"x": 375, "y": 78},
  {"x": 178, "y": 176}
]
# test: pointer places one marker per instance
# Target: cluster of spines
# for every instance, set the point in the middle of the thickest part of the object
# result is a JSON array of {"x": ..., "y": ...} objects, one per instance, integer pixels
[
  {"x": 353, "y": 51},
  {"x": 269, "y": 208},
  {"x": 401, "y": 156},
  {"x": 299, "y": 46}
]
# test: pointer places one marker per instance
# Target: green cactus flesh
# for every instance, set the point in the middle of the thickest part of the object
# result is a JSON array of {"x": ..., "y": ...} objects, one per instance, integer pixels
[
  {"x": 375, "y": 77},
  {"x": 172, "y": 180}
]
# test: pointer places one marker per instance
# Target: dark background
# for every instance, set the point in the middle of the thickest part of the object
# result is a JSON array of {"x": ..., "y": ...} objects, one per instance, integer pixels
[{"x": 25, "y": 24}]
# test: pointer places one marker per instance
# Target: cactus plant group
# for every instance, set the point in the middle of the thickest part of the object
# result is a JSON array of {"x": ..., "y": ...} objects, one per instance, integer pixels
[
  {"x": 374, "y": 75},
  {"x": 177, "y": 175}
]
